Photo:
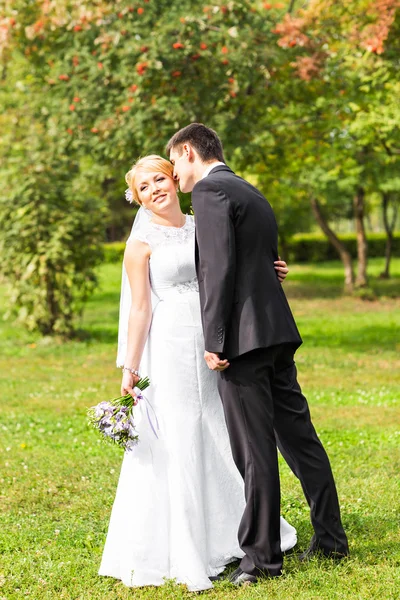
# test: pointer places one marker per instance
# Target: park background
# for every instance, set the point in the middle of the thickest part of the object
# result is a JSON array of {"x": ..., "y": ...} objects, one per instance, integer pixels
[{"x": 305, "y": 96}]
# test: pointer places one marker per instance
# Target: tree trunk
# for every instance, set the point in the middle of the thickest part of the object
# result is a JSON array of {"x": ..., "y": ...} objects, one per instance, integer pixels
[
  {"x": 47, "y": 325},
  {"x": 362, "y": 245},
  {"x": 344, "y": 254},
  {"x": 389, "y": 228}
]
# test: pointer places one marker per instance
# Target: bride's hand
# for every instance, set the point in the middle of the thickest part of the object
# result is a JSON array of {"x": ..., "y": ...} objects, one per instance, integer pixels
[
  {"x": 129, "y": 380},
  {"x": 281, "y": 269}
]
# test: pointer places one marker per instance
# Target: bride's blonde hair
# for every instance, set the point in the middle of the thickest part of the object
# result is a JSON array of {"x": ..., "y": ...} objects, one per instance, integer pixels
[{"x": 151, "y": 163}]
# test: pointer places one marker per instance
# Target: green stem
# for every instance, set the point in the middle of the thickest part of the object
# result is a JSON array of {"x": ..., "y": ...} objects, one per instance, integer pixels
[{"x": 127, "y": 400}]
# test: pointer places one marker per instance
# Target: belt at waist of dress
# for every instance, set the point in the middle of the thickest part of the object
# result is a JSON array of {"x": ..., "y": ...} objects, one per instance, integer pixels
[{"x": 178, "y": 289}]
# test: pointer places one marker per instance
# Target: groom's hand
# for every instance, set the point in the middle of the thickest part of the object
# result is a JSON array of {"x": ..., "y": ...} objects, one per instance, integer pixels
[{"x": 214, "y": 362}]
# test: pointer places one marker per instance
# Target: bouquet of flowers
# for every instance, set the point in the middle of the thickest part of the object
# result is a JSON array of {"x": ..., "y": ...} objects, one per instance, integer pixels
[{"x": 114, "y": 418}]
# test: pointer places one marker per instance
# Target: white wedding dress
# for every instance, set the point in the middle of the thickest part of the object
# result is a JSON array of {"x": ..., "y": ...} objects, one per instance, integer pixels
[{"x": 180, "y": 497}]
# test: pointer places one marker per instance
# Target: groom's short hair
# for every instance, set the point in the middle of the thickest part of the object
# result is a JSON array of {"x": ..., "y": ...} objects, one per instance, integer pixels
[{"x": 203, "y": 139}]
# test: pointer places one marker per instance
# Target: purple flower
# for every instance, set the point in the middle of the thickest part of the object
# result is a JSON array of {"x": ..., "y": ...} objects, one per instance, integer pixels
[
  {"x": 120, "y": 426},
  {"x": 130, "y": 444},
  {"x": 114, "y": 419},
  {"x": 101, "y": 409},
  {"x": 105, "y": 422},
  {"x": 120, "y": 415}
]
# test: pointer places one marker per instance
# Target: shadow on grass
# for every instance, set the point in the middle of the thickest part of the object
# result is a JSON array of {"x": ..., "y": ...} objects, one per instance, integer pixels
[
  {"x": 102, "y": 297},
  {"x": 372, "y": 337},
  {"x": 101, "y": 322},
  {"x": 331, "y": 286},
  {"x": 371, "y": 531},
  {"x": 98, "y": 333}
]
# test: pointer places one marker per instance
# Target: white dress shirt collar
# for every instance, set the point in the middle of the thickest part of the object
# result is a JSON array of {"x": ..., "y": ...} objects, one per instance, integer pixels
[{"x": 217, "y": 163}]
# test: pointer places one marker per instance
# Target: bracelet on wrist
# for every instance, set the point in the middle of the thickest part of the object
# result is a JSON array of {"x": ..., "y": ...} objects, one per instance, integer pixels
[{"x": 132, "y": 371}]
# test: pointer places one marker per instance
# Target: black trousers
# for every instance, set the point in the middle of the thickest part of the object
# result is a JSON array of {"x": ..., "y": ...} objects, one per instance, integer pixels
[{"x": 264, "y": 407}]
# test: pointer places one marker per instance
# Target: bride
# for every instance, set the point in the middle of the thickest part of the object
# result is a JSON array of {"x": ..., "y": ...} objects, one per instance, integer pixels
[{"x": 180, "y": 498}]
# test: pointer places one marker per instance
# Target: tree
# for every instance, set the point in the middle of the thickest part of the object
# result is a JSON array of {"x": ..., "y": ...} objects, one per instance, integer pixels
[
  {"x": 50, "y": 220},
  {"x": 346, "y": 62},
  {"x": 98, "y": 85}
]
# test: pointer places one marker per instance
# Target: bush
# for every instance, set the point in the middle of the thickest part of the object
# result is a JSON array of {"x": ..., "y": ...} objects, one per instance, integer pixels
[
  {"x": 50, "y": 243},
  {"x": 114, "y": 252},
  {"x": 314, "y": 247}
]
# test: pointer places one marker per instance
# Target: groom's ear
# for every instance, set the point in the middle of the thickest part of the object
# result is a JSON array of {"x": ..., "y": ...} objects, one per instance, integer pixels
[{"x": 190, "y": 152}]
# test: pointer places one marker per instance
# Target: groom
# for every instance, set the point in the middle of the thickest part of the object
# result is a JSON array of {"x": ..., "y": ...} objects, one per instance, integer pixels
[{"x": 250, "y": 339}]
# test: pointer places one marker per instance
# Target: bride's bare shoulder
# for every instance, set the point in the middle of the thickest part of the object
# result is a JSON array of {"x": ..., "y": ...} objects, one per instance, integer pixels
[{"x": 137, "y": 250}]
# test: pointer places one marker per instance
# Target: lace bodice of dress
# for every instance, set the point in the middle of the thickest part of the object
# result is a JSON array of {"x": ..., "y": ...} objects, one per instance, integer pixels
[{"x": 172, "y": 265}]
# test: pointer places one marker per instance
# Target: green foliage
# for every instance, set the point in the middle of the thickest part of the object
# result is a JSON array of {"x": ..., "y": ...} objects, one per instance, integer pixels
[
  {"x": 307, "y": 107},
  {"x": 100, "y": 85},
  {"x": 50, "y": 242},
  {"x": 120, "y": 79},
  {"x": 314, "y": 247},
  {"x": 114, "y": 252},
  {"x": 335, "y": 130}
]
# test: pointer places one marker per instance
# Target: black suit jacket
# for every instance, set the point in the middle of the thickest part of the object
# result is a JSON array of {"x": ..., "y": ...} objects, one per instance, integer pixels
[{"x": 242, "y": 301}]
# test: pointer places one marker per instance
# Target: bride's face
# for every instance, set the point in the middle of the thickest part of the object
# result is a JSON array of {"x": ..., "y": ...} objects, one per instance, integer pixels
[{"x": 156, "y": 191}]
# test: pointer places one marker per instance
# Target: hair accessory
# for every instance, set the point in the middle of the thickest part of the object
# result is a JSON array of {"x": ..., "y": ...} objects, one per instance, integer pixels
[{"x": 129, "y": 195}]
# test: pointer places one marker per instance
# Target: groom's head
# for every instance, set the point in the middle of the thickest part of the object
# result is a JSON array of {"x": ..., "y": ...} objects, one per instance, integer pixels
[{"x": 190, "y": 150}]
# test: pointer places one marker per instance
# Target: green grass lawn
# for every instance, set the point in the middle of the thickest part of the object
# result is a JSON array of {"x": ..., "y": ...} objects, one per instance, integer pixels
[{"x": 58, "y": 481}]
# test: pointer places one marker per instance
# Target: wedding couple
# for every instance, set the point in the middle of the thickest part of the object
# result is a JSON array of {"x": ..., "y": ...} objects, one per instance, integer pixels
[{"x": 204, "y": 316}]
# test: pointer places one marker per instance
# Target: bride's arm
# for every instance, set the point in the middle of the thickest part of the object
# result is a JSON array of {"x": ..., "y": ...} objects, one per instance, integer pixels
[{"x": 136, "y": 261}]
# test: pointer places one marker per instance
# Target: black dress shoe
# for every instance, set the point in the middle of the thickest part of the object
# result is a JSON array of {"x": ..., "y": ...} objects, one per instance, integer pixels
[
  {"x": 314, "y": 551},
  {"x": 219, "y": 577},
  {"x": 239, "y": 577},
  {"x": 235, "y": 563}
]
